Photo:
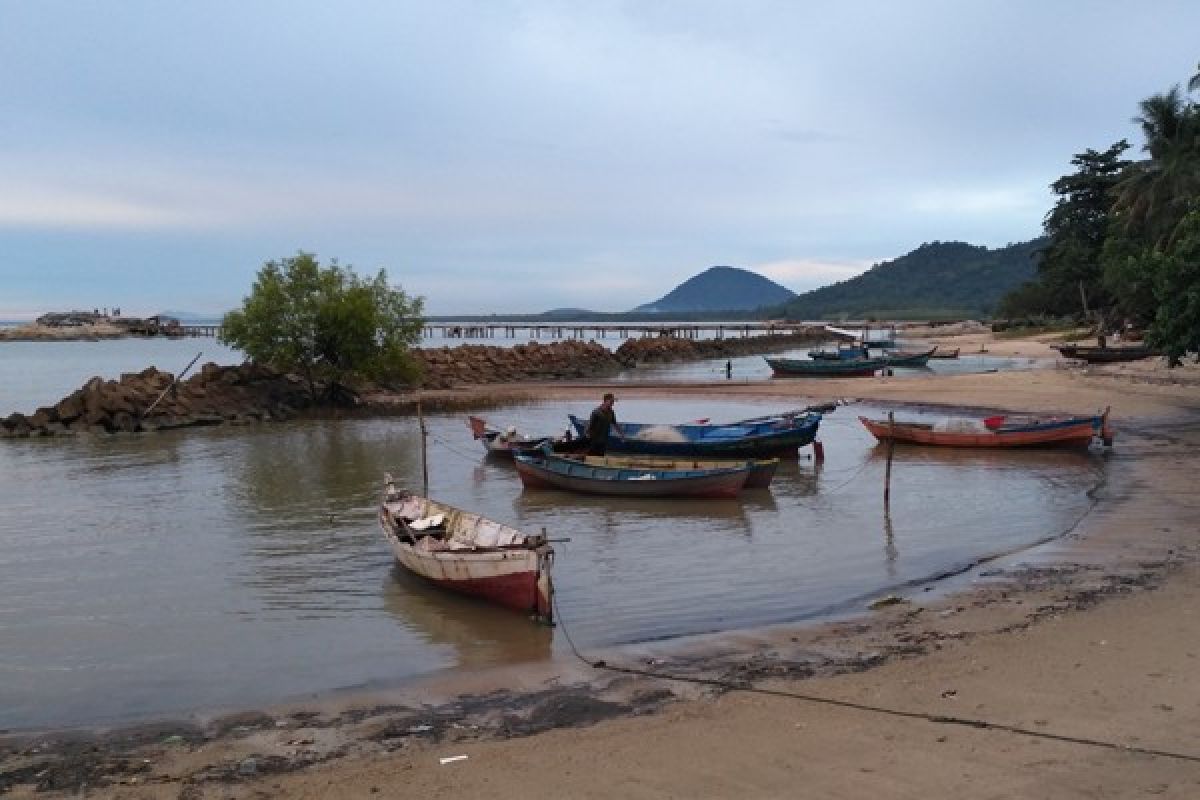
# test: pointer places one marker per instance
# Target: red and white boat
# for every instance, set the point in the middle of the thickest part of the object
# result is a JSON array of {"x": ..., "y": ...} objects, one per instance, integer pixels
[
  {"x": 997, "y": 432},
  {"x": 468, "y": 553}
]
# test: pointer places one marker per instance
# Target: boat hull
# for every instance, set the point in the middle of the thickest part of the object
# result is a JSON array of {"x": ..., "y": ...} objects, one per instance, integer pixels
[
  {"x": 517, "y": 577},
  {"x": 899, "y": 359},
  {"x": 1106, "y": 355},
  {"x": 762, "y": 470},
  {"x": 543, "y": 474},
  {"x": 737, "y": 441},
  {"x": 1077, "y": 432},
  {"x": 827, "y": 368},
  {"x": 499, "y": 444}
]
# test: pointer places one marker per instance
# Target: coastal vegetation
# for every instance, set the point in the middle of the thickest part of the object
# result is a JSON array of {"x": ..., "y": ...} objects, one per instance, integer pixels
[
  {"x": 1123, "y": 239},
  {"x": 938, "y": 280},
  {"x": 327, "y": 324}
]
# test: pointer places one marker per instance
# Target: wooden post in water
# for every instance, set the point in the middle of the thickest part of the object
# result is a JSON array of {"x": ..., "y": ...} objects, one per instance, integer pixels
[
  {"x": 424, "y": 459},
  {"x": 887, "y": 473}
]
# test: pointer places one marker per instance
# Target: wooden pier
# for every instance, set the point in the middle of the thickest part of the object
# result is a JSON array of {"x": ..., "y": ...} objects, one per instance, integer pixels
[
  {"x": 603, "y": 330},
  {"x": 200, "y": 330},
  {"x": 574, "y": 330}
]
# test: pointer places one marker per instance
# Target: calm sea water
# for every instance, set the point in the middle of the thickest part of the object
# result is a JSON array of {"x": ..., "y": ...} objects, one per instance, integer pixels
[{"x": 153, "y": 575}]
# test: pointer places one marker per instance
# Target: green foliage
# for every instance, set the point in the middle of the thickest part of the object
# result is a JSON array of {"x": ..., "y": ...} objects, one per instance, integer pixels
[
  {"x": 1176, "y": 326},
  {"x": 326, "y": 323},
  {"x": 1077, "y": 228},
  {"x": 1137, "y": 230},
  {"x": 1155, "y": 194},
  {"x": 1030, "y": 299},
  {"x": 1129, "y": 277},
  {"x": 939, "y": 275}
]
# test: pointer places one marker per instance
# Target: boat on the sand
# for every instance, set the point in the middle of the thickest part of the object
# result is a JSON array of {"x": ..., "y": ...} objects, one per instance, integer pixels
[
  {"x": 1106, "y": 355},
  {"x": 827, "y": 367},
  {"x": 469, "y": 553},
  {"x": 908, "y": 358},
  {"x": 997, "y": 432},
  {"x": 545, "y": 470}
]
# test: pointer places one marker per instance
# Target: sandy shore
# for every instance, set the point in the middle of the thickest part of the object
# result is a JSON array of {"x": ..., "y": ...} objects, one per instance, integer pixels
[{"x": 1065, "y": 671}]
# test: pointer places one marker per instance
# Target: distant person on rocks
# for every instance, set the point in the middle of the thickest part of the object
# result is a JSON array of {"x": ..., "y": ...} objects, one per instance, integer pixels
[{"x": 603, "y": 418}]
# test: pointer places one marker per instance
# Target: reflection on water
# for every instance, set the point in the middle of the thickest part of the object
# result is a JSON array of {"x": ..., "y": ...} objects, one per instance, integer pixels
[
  {"x": 481, "y": 635},
  {"x": 147, "y": 575}
]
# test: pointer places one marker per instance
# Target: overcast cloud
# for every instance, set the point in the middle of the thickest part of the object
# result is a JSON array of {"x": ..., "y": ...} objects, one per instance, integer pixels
[{"x": 521, "y": 156}]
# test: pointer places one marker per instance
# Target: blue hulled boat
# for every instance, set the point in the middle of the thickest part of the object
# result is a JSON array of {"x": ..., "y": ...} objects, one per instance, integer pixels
[
  {"x": 763, "y": 437},
  {"x": 544, "y": 470}
]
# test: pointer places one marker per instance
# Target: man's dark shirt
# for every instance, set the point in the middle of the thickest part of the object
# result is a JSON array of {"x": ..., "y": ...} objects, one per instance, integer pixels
[{"x": 599, "y": 423}]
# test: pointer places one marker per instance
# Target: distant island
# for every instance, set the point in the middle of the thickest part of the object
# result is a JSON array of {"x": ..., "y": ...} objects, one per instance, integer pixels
[{"x": 721, "y": 289}]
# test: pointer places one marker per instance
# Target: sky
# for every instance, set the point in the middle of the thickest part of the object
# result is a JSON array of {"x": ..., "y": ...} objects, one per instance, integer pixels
[{"x": 516, "y": 156}]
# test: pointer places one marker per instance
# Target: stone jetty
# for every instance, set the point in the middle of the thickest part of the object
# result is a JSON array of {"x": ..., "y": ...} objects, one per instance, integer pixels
[
  {"x": 667, "y": 349},
  {"x": 213, "y": 396},
  {"x": 446, "y": 367},
  {"x": 150, "y": 400}
]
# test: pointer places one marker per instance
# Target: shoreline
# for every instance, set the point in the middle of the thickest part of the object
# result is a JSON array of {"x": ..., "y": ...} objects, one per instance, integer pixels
[{"x": 361, "y": 740}]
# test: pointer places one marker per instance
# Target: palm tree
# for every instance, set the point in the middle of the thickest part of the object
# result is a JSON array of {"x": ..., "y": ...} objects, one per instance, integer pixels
[{"x": 1157, "y": 192}]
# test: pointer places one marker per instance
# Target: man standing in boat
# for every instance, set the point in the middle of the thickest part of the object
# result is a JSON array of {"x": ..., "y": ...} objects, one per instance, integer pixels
[{"x": 603, "y": 418}]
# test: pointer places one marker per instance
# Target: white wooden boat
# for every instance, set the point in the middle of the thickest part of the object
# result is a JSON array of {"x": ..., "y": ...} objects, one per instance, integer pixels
[{"x": 469, "y": 553}]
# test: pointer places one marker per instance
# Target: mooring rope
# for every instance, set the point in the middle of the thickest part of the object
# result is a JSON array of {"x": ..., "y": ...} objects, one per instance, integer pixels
[{"x": 942, "y": 719}]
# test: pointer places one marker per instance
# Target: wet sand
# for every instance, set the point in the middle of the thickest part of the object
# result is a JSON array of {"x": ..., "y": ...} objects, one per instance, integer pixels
[{"x": 1067, "y": 671}]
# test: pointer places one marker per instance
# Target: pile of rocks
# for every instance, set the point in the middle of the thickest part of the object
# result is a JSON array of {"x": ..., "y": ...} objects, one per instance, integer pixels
[
  {"x": 665, "y": 349},
  {"x": 450, "y": 366},
  {"x": 213, "y": 396}
]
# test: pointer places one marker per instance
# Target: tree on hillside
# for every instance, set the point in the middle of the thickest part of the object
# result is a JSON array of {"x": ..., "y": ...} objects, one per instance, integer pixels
[
  {"x": 1077, "y": 227},
  {"x": 327, "y": 324}
]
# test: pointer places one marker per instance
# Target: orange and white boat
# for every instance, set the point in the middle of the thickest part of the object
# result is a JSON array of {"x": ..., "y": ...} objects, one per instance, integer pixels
[{"x": 469, "y": 553}]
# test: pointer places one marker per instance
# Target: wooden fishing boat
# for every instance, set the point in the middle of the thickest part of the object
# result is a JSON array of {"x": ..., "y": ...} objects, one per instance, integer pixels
[
  {"x": 824, "y": 368},
  {"x": 762, "y": 470},
  {"x": 547, "y": 471},
  {"x": 776, "y": 436},
  {"x": 997, "y": 432},
  {"x": 502, "y": 443},
  {"x": 468, "y": 553},
  {"x": 1106, "y": 355},
  {"x": 908, "y": 358},
  {"x": 938, "y": 352}
]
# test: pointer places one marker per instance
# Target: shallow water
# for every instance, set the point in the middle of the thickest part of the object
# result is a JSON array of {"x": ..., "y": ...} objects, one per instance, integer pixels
[{"x": 156, "y": 574}]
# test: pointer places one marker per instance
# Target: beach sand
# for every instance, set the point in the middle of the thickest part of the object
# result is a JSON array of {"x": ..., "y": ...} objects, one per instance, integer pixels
[{"x": 1065, "y": 671}]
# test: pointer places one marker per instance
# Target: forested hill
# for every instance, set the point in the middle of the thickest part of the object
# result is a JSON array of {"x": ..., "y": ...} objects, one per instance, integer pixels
[
  {"x": 938, "y": 278},
  {"x": 721, "y": 289}
]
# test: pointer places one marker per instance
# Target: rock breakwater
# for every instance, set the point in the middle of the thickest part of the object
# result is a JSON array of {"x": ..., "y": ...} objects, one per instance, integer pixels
[
  {"x": 446, "y": 367},
  {"x": 666, "y": 349},
  {"x": 149, "y": 401}
]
